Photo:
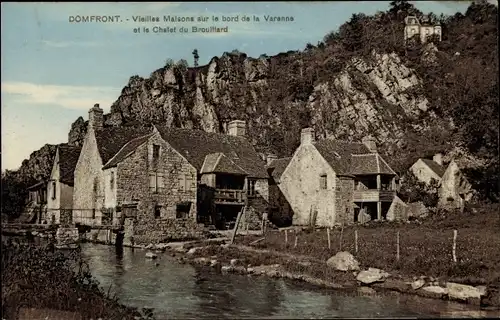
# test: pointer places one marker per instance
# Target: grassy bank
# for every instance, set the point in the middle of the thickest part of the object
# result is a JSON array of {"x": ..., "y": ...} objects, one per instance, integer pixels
[
  {"x": 425, "y": 248},
  {"x": 43, "y": 278}
]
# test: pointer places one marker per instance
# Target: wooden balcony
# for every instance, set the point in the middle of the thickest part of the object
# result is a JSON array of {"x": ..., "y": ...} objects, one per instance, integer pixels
[
  {"x": 229, "y": 196},
  {"x": 374, "y": 195}
]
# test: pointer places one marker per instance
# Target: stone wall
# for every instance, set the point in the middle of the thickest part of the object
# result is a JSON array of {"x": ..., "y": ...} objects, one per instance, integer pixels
[
  {"x": 262, "y": 188},
  {"x": 178, "y": 182},
  {"x": 300, "y": 184},
  {"x": 398, "y": 210},
  {"x": 165, "y": 230},
  {"x": 88, "y": 191},
  {"x": 344, "y": 196},
  {"x": 67, "y": 238}
]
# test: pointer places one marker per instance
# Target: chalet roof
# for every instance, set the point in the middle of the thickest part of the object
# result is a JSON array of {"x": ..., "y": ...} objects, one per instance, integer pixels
[
  {"x": 277, "y": 167},
  {"x": 219, "y": 163},
  {"x": 68, "y": 158},
  {"x": 195, "y": 145},
  {"x": 434, "y": 166},
  {"x": 351, "y": 158},
  {"x": 362, "y": 164},
  {"x": 127, "y": 150},
  {"x": 110, "y": 140}
]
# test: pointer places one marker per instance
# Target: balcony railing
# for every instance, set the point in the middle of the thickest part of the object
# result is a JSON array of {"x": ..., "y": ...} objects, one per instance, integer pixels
[
  {"x": 374, "y": 195},
  {"x": 229, "y": 196}
]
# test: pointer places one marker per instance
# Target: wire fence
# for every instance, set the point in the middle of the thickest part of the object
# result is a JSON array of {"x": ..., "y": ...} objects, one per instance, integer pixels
[{"x": 462, "y": 252}]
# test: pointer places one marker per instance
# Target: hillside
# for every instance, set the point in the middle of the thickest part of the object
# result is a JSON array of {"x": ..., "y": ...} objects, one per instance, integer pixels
[{"x": 362, "y": 79}]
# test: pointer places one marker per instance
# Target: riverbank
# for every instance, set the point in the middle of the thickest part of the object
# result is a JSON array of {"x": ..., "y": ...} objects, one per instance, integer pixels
[{"x": 38, "y": 281}]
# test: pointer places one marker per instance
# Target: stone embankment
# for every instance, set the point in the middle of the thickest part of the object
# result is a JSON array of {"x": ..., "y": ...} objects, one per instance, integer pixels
[{"x": 346, "y": 272}]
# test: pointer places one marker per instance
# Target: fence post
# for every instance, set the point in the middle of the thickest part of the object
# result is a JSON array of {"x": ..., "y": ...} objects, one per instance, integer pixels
[
  {"x": 356, "y": 241},
  {"x": 454, "y": 245},
  {"x": 341, "y": 235},
  {"x": 328, "y": 235},
  {"x": 296, "y": 239},
  {"x": 397, "y": 246},
  {"x": 286, "y": 236}
]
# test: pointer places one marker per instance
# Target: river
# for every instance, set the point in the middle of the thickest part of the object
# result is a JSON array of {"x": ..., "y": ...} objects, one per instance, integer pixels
[{"x": 176, "y": 290}]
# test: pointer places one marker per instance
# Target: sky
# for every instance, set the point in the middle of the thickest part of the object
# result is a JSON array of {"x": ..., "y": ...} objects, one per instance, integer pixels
[{"x": 54, "y": 70}]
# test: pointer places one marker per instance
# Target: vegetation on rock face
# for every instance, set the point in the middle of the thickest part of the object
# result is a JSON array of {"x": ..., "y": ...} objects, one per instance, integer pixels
[
  {"x": 322, "y": 86},
  {"x": 38, "y": 277}
]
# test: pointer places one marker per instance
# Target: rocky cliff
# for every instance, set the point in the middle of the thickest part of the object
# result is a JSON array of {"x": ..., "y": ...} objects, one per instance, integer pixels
[{"x": 368, "y": 96}]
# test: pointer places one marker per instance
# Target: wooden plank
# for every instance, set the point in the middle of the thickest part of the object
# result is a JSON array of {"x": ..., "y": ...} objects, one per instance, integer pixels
[{"x": 237, "y": 223}]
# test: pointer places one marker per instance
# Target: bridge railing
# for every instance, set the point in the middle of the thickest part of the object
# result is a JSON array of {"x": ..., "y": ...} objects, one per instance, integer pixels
[{"x": 59, "y": 216}]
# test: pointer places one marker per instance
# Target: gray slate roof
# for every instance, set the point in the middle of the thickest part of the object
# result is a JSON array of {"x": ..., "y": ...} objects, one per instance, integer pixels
[
  {"x": 68, "y": 158},
  {"x": 277, "y": 167},
  {"x": 110, "y": 140},
  {"x": 434, "y": 166},
  {"x": 351, "y": 158},
  {"x": 195, "y": 145}
]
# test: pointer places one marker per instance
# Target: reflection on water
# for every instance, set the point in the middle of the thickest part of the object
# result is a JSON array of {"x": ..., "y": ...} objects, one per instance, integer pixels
[{"x": 180, "y": 291}]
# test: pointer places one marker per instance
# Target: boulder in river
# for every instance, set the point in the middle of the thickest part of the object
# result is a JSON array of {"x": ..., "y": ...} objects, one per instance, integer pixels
[
  {"x": 151, "y": 255},
  {"x": 372, "y": 275}
]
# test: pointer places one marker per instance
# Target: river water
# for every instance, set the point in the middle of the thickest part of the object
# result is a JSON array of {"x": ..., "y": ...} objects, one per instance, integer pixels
[{"x": 176, "y": 290}]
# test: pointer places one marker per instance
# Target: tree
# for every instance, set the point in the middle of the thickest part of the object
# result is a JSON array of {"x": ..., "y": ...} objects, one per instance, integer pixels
[
  {"x": 169, "y": 63},
  {"x": 196, "y": 57},
  {"x": 413, "y": 190},
  {"x": 13, "y": 193}
]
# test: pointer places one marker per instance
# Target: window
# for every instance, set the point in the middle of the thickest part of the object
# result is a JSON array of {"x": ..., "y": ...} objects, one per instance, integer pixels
[
  {"x": 182, "y": 182},
  {"x": 182, "y": 210},
  {"x": 251, "y": 187},
  {"x": 155, "y": 182},
  {"x": 323, "y": 182},
  {"x": 53, "y": 190},
  {"x": 427, "y": 31},
  {"x": 156, "y": 152},
  {"x": 112, "y": 180},
  {"x": 157, "y": 211}
]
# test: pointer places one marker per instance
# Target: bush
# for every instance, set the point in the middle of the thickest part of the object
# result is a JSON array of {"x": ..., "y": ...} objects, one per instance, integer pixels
[{"x": 41, "y": 277}]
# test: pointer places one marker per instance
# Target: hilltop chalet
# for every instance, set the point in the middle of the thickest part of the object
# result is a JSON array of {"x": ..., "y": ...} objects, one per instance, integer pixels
[
  {"x": 331, "y": 182},
  {"x": 166, "y": 180},
  {"x": 424, "y": 29},
  {"x": 60, "y": 184}
]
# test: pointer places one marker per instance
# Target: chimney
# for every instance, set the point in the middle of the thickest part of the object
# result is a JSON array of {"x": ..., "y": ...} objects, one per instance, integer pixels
[
  {"x": 438, "y": 158},
  {"x": 307, "y": 136},
  {"x": 236, "y": 128},
  {"x": 370, "y": 143},
  {"x": 270, "y": 159},
  {"x": 96, "y": 117}
]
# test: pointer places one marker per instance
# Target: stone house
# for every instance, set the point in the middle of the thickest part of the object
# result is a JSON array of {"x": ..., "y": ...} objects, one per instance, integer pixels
[
  {"x": 454, "y": 190},
  {"x": 331, "y": 182},
  {"x": 60, "y": 185},
  {"x": 166, "y": 175},
  {"x": 426, "y": 169},
  {"x": 99, "y": 146},
  {"x": 423, "y": 29},
  {"x": 164, "y": 182}
]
